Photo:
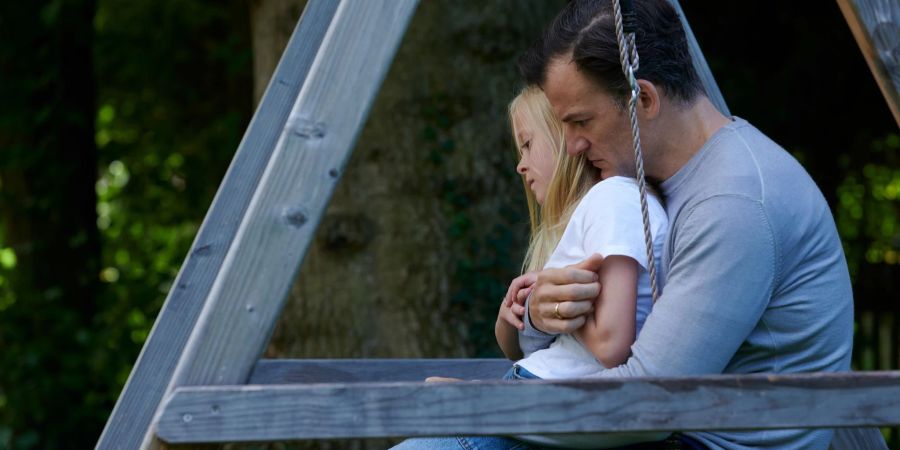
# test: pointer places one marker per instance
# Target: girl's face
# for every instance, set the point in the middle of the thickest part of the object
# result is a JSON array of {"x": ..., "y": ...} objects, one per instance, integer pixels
[{"x": 537, "y": 160}]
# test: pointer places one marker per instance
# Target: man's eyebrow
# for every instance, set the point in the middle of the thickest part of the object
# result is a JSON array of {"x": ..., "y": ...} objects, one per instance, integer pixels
[{"x": 569, "y": 117}]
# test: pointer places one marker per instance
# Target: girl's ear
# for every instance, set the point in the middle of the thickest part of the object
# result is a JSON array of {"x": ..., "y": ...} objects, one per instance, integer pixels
[{"x": 648, "y": 100}]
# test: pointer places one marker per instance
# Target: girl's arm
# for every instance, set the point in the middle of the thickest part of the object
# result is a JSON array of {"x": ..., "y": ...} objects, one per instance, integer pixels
[
  {"x": 507, "y": 335},
  {"x": 509, "y": 318},
  {"x": 609, "y": 332}
]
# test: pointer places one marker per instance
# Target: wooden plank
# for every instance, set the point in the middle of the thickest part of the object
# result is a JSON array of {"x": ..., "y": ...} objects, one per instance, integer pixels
[
  {"x": 302, "y": 173},
  {"x": 290, "y": 371},
  {"x": 703, "y": 70},
  {"x": 278, "y": 226},
  {"x": 366, "y": 410},
  {"x": 876, "y": 27},
  {"x": 155, "y": 366},
  {"x": 858, "y": 439}
]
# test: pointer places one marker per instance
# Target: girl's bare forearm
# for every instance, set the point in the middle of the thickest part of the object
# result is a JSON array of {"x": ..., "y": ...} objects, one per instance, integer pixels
[{"x": 508, "y": 339}]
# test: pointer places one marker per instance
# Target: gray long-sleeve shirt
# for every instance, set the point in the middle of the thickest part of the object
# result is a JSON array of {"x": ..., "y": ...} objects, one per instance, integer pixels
[{"x": 755, "y": 278}]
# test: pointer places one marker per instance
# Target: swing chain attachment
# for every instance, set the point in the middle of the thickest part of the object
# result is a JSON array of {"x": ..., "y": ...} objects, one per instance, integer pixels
[{"x": 628, "y": 55}]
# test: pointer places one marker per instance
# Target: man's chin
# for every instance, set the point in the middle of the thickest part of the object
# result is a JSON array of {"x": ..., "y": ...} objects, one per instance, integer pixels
[{"x": 604, "y": 173}]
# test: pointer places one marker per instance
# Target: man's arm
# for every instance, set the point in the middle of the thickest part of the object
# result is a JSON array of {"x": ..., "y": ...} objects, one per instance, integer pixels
[
  {"x": 574, "y": 288},
  {"x": 720, "y": 282}
]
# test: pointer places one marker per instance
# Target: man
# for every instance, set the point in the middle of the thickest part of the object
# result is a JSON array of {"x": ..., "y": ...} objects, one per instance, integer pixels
[{"x": 755, "y": 276}]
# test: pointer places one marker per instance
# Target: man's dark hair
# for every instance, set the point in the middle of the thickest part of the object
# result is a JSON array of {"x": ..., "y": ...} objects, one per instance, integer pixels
[{"x": 586, "y": 30}]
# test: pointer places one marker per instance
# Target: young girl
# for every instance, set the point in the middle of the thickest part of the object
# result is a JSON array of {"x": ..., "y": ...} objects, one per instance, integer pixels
[
  {"x": 571, "y": 219},
  {"x": 573, "y": 216}
]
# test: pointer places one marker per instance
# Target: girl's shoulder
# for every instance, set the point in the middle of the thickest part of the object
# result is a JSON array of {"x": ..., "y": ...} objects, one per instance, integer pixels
[
  {"x": 615, "y": 195},
  {"x": 613, "y": 191}
]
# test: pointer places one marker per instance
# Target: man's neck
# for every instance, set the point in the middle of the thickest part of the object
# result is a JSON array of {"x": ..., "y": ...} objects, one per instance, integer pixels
[{"x": 683, "y": 134}]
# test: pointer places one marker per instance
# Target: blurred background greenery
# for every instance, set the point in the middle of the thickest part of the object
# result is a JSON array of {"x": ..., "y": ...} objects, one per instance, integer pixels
[{"x": 119, "y": 118}]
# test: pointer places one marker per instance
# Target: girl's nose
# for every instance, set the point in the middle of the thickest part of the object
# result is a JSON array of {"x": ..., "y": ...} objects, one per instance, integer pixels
[{"x": 522, "y": 167}]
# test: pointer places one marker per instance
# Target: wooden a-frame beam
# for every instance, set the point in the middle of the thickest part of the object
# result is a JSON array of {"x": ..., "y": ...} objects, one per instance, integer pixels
[
  {"x": 151, "y": 375},
  {"x": 251, "y": 287},
  {"x": 300, "y": 128},
  {"x": 876, "y": 27}
]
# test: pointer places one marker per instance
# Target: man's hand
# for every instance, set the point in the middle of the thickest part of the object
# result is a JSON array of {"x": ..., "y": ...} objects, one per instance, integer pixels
[
  {"x": 513, "y": 306},
  {"x": 562, "y": 298},
  {"x": 442, "y": 380}
]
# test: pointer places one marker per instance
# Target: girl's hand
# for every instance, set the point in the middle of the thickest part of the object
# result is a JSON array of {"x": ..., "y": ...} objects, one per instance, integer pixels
[
  {"x": 511, "y": 314},
  {"x": 512, "y": 308},
  {"x": 519, "y": 289}
]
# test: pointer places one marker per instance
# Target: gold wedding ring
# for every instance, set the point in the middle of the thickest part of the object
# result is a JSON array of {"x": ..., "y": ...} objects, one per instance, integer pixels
[{"x": 556, "y": 312}]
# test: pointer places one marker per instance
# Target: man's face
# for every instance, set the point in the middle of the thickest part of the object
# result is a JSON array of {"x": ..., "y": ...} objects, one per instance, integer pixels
[{"x": 593, "y": 123}]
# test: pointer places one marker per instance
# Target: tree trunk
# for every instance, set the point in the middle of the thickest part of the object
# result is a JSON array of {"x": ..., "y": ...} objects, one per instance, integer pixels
[{"x": 428, "y": 224}]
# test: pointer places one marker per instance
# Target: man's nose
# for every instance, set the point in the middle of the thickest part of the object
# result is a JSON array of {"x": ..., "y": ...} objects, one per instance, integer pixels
[{"x": 576, "y": 145}]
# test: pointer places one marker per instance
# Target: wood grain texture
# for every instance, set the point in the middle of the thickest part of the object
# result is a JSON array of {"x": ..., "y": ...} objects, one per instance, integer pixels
[
  {"x": 281, "y": 219},
  {"x": 288, "y": 371},
  {"x": 703, "y": 70},
  {"x": 266, "y": 413},
  {"x": 876, "y": 27},
  {"x": 154, "y": 369}
]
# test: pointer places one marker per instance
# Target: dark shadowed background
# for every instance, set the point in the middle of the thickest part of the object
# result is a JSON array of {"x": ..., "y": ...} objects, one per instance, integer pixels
[{"x": 119, "y": 118}]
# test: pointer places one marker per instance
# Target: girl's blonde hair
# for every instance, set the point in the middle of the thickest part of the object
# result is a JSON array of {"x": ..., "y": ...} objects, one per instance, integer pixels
[{"x": 571, "y": 179}]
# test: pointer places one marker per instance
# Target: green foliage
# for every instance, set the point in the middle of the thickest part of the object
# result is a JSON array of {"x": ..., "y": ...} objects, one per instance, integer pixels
[
  {"x": 172, "y": 101},
  {"x": 48, "y": 246},
  {"x": 168, "y": 122},
  {"x": 868, "y": 210},
  {"x": 7, "y": 296}
]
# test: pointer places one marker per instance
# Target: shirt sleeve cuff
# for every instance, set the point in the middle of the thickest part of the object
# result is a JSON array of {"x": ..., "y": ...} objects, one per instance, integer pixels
[{"x": 531, "y": 339}]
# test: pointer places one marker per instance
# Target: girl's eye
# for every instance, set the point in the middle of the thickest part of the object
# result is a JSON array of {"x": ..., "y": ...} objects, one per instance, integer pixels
[{"x": 526, "y": 145}]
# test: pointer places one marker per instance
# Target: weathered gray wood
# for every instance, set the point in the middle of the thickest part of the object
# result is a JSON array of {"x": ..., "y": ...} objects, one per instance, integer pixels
[
  {"x": 289, "y": 371},
  {"x": 876, "y": 26},
  {"x": 250, "y": 289},
  {"x": 703, "y": 70},
  {"x": 296, "y": 371},
  {"x": 283, "y": 214},
  {"x": 266, "y": 413},
  {"x": 858, "y": 439},
  {"x": 153, "y": 371}
]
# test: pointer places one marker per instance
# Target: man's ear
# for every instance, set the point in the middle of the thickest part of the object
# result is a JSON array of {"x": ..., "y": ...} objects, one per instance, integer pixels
[{"x": 649, "y": 100}]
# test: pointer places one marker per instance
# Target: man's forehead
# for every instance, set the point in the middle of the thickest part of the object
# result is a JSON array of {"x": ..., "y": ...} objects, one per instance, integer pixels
[{"x": 565, "y": 84}]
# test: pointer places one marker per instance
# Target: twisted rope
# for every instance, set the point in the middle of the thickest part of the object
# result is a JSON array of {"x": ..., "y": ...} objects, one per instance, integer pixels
[{"x": 629, "y": 58}]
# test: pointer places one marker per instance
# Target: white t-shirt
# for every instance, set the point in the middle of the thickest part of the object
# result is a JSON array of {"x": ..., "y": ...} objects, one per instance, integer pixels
[{"x": 606, "y": 221}]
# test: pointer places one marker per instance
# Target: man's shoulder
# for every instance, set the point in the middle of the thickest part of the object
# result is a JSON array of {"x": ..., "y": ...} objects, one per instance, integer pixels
[{"x": 743, "y": 161}]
